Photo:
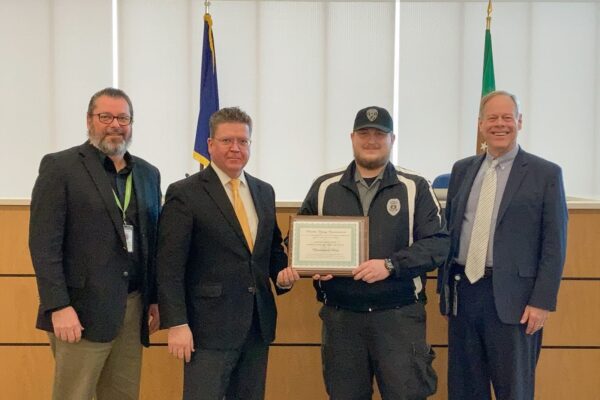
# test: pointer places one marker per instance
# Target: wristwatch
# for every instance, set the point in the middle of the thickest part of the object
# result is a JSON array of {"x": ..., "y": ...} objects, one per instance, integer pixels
[{"x": 389, "y": 266}]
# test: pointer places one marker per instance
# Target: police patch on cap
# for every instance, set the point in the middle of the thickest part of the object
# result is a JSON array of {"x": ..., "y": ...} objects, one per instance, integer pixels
[
  {"x": 372, "y": 114},
  {"x": 393, "y": 206}
]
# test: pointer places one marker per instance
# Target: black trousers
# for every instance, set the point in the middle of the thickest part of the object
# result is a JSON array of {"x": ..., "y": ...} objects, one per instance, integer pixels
[
  {"x": 228, "y": 374},
  {"x": 483, "y": 350},
  {"x": 388, "y": 344}
]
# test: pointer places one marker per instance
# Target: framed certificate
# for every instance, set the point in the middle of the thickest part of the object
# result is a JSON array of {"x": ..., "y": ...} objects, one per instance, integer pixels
[{"x": 328, "y": 245}]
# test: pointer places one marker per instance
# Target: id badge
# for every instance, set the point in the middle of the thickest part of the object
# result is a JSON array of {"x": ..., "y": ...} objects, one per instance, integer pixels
[{"x": 128, "y": 237}]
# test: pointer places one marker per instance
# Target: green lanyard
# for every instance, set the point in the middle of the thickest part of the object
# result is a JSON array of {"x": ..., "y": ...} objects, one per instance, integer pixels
[{"x": 127, "y": 196}]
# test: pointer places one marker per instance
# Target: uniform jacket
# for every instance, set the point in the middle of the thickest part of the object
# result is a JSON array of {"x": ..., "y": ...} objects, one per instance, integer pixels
[{"x": 405, "y": 225}]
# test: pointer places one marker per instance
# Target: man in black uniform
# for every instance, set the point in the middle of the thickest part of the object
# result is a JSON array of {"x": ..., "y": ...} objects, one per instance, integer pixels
[{"x": 374, "y": 323}]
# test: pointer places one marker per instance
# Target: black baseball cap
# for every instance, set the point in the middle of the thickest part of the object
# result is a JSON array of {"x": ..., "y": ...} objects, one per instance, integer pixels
[{"x": 374, "y": 117}]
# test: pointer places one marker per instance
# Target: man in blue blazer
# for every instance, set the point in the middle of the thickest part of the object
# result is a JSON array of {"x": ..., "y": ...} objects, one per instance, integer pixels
[
  {"x": 507, "y": 217},
  {"x": 219, "y": 244}
]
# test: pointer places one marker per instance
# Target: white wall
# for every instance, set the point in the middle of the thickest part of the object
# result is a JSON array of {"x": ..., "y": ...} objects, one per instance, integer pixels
[{"x": 301, "y": 70}]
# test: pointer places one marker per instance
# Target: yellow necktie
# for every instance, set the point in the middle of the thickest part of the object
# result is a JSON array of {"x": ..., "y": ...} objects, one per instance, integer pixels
[{"x": 240, "y": 212}]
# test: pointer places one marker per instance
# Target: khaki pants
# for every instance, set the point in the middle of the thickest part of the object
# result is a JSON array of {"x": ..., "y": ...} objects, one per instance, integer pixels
[{"x": 108, "y": 371}]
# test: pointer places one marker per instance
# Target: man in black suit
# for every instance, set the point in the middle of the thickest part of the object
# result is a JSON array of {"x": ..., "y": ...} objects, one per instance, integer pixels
[
  {"x": 219, "y": 244},
  {"x": 93, "y": 228},
  {"x": 507, "y": 217}
]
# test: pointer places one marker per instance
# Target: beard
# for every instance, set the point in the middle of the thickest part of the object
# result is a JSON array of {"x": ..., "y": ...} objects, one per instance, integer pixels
[
  {"x": 371, "y": 163},
  {"x": 108, "y": 147}
]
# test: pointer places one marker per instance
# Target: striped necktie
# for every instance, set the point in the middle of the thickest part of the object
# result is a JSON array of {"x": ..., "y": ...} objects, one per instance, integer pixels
[
  {"x": 240, "y": 212},
  {"x": 477, "y": 254}
]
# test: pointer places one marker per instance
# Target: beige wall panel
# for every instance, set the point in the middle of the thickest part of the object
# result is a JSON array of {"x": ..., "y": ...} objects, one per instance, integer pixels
[
  {"x": 294, "y": 373},
  {"x": 568, "y": 374},
  {"x": 19, "y": 299},
  {"x": 297, "y": 316},
  {"x": 437, "y": 326},
  {"x": 162, "y": 375},
  {"x": 298, "y": 320},
  {"x": 440, "y": 364},
  {"x": 14, "y": 236},
  {"x": 26, "y": 372},
  {"x": 582, "y": 239},
  {"x": 573, "y": 324},
  {"x": 561, "y": 374},
  {"x": 577, "y": 319},
  {"x": 159, "y": 337},
  {"x": 283, "y": 218},
  {"x": 584, "y": 233},
  {"x": 576, "y": 322}
]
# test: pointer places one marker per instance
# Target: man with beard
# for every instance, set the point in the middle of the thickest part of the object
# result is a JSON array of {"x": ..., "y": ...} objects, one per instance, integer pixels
[
  {"x": 374, "y": 322},
  {"x": 93, "y": 227}
]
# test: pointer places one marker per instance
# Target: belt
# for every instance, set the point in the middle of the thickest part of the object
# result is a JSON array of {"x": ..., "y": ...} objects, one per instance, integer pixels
[
  {"x": 458, "y": 269},
  {"x": 457, "y": 272},
  {"x": 488, "y": 272},
  {"x": 133, "y": 285}
]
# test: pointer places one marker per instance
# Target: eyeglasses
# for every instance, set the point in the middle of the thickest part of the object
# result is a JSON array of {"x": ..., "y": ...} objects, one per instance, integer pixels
[
  {"x": 107, "y": 119},
  {"x": 244, "y": 143}
]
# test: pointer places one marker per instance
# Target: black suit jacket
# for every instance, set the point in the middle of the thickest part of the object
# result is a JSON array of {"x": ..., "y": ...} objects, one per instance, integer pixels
[
  {"x": 77, "y": 241},
  {"x": 207, "y": 276},
  {"x": 530, "y": 234}
]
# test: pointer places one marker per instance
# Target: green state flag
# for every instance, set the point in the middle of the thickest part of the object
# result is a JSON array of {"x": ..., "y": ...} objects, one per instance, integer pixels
[{"x": 488, "y": 83}]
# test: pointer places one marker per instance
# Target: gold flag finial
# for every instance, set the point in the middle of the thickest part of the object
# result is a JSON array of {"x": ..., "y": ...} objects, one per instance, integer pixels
[
  {"x": 207, "y": 6},
  {"x": 488, "y": 20}
]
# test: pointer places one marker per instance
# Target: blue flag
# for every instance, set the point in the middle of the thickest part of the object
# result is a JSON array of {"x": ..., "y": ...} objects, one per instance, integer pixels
[{"x": 209, "y": 93}]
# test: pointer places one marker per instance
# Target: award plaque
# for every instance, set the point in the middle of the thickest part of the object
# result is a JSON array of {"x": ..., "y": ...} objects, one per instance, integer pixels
[{"x": 328, "y": 245}]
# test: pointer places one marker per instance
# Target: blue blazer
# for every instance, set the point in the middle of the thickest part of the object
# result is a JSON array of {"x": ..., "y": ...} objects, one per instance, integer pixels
[{"x": 530, "y": 237}]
